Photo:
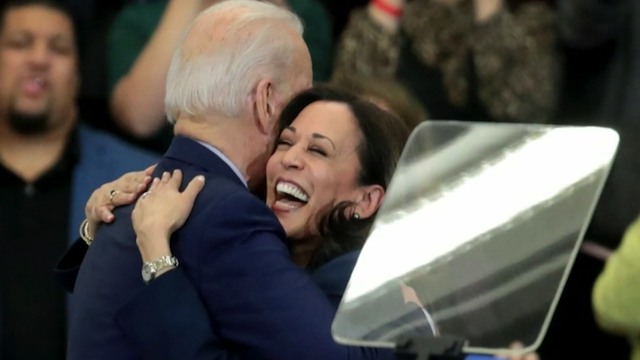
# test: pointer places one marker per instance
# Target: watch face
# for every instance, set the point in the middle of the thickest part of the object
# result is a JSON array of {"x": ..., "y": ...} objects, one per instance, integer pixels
[{"x": 147, "y": 272}]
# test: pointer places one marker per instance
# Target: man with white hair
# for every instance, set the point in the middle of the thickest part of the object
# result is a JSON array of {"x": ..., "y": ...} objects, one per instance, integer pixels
[{"x": 237, "y": 66}]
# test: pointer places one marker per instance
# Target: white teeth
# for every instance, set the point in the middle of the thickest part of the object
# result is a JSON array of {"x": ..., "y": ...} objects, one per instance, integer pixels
[{"x": 289, "y": 189}]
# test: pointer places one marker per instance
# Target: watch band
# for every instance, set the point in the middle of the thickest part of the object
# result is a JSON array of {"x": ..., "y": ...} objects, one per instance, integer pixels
[{"x": 150, "y": 269}]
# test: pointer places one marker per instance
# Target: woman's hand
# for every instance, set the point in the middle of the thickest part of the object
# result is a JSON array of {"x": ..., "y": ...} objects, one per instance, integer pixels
[
  {"x": 386, "y": 13},
  {"x": 123, "y": 191},
  {"x": 486, "y": 9},
  {"x": 161, "y": 211},
  {"x": 527, "y": 356}
]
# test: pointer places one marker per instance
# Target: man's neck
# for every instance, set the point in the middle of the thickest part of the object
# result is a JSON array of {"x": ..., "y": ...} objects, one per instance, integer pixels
[
  {"x": 238, "y": 149},
  {"x": 30, "y": 156}
]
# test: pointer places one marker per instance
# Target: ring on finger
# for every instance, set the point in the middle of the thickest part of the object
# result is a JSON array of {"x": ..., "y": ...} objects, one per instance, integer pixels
[
  {"x": 112, "y": 194},
  {"x": 144, "y": 195}
]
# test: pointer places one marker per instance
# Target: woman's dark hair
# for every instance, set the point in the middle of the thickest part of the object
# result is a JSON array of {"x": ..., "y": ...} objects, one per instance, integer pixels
[
  {"x": 383, "y": 137},
  {"x": 394, "y": 94}
]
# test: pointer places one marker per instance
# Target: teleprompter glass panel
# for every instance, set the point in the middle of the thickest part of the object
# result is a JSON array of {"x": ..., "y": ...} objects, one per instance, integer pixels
[{"x": 477, "y": 235}]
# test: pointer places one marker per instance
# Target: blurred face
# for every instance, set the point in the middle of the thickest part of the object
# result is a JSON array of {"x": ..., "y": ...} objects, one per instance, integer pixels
[
  {"x": 38, "y": 68},
  {"x": 314, "y": 167}
]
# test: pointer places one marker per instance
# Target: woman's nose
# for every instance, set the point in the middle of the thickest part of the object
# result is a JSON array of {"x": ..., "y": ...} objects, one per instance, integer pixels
[{"x": 292, "y": 158}]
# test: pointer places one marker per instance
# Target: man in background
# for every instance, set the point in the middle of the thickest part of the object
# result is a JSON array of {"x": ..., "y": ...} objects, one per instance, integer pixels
[{"x": 49, "y": 165}]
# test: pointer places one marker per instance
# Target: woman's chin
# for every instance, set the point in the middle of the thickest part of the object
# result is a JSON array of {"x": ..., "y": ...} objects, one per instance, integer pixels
[{"x": 289, "y": 226}]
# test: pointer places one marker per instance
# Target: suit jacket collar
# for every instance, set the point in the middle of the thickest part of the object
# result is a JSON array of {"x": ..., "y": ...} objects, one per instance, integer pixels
[{"x": 190, "y": 151}]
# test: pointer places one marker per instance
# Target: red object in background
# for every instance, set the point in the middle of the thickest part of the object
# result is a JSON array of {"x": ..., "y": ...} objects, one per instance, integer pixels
[{"x": 387, "y": 8}]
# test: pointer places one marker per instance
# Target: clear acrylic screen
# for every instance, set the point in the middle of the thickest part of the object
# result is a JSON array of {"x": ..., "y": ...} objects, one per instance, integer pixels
[{"x": 477, "y": 234}]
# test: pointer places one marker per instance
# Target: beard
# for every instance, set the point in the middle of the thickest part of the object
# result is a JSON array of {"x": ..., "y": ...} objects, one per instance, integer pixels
[
  {"x": 28, "y": 124},
  {"x": 24, "y": 123}
]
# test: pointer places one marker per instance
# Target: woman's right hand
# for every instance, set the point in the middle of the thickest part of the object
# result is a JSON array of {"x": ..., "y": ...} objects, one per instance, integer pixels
[
  {"x": 528, "y": 356},
  {"x": 99, "y": 207},
  {"x": 161, "y": 211}
]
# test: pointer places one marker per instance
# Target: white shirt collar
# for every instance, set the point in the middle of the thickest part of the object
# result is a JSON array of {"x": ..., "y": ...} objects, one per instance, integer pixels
[{"x": 226, "y": 160}]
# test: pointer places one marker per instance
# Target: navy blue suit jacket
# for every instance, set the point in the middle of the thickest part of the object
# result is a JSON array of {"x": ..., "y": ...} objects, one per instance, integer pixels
[{"x": 260, "y": 305}]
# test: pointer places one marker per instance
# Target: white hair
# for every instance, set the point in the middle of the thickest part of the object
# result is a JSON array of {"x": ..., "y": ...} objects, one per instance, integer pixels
[{"x": 220, "y": 80}]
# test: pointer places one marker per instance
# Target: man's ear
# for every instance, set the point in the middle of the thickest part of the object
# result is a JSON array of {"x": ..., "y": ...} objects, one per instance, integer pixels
[
  {"x": 264, "y": 109},
  {"x": 369, "y": 201}
]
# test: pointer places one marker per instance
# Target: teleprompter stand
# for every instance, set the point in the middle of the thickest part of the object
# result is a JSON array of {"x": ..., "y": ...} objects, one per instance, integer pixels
[{"x": 430, "y": 348}]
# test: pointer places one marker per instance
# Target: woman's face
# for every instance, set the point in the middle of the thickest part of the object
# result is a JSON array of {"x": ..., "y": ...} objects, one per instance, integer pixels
[{"x": 314, "y": 167}]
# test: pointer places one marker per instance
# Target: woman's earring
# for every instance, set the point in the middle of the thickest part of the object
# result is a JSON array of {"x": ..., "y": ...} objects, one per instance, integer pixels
[{"x": 356, "y": 216}]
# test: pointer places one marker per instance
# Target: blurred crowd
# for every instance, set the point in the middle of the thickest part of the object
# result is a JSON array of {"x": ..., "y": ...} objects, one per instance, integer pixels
[{"x": 103, "y": 66}]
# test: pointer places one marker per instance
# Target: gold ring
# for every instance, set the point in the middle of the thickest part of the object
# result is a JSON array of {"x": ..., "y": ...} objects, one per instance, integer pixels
[{"x": 112, "y": 194}]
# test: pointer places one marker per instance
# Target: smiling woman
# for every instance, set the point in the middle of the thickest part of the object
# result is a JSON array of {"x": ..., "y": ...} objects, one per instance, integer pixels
[{"x": 328, "y": 175}]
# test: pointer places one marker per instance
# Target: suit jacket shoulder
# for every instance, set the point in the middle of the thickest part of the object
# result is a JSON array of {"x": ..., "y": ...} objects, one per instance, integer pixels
[{"x": 334, "y": 276}]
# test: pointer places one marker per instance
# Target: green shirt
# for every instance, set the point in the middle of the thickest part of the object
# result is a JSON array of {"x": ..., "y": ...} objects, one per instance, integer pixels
[
  {"x": 136, "y": 23},
  {"x": 616, "y": 294}
]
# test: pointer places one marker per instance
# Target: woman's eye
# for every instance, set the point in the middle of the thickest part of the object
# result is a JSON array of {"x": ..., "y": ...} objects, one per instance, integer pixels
[
  {"x": 283, "y": 143},
  {"x": 318, "y": 151}
]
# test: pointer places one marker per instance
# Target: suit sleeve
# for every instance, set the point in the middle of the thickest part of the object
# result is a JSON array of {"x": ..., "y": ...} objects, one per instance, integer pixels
[
  {"x": 616, "y": 294},
  {"x": 169, "y": 321},
  {"x": 67, "y": 268},
  {"x": 258, "y": 298}
]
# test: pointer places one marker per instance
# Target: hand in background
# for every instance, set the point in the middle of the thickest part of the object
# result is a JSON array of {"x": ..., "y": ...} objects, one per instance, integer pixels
[
  {"x": 205, "y": 4},
  {"x": 384, "y": 18},
  {"x": 280, "y": 3},
  {"x": 486, "y": 9},
  {"x": 527, "y": 356}
]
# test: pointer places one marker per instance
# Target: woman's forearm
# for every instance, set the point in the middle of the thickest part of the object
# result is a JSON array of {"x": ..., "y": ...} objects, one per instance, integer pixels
[
  {"x": 137, "y": 101},
  {"x": 386, "y": 13},
  {"x": 153, "y": 246}
]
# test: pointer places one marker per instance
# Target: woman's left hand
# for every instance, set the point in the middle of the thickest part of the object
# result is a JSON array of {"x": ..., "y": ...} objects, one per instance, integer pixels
[
  {"x": 161, "y": 211},
  {"x": 527, "y": 356}
]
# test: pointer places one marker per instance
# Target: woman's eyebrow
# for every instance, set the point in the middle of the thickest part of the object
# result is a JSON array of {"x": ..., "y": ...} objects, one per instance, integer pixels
[{"x": 319, "y": 136}]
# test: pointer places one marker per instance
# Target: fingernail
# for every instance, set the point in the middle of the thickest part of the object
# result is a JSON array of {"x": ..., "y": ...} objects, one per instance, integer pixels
[
  {"x": 147, "y": 178},
  {"x": 156, "y": 180},
  {"x": 200, "y": 177}
]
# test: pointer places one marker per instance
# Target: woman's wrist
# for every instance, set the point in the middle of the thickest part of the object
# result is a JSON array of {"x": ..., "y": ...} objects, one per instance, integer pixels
[
  {"x": 153, "y": 246},
  {"x": 485, "y": 10},
  {"x": 386, "y": 13}
]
